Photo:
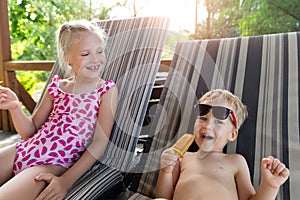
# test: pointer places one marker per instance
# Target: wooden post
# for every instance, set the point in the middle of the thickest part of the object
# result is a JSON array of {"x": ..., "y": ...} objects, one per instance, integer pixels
[{"x": 5, "y": 55}]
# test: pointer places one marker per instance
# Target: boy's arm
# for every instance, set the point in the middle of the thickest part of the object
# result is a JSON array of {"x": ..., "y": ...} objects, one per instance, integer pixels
[
  {"x": 274, "y": 174},
  {"x": 168, "y": 174},
  {"x": 244, "y": 186}
]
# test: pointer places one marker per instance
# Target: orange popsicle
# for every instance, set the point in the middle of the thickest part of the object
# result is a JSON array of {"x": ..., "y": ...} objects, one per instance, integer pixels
[{"x": 183, "y": 143}]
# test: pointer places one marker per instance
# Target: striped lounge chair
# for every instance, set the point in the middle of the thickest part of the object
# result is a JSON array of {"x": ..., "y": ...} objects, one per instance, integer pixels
[
  {"x": 133, "y": 52},
  {"x": 264, "y": 72}
]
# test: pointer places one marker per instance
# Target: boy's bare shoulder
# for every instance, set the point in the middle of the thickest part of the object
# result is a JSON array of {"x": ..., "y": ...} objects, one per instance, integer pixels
[
  {"x": 238, "y": 162},
  {"x": 190, "y": 154},
  {"x": 235, "y": 158}
]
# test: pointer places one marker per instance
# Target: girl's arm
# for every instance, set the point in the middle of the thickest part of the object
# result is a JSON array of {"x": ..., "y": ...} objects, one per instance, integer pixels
[
  {"x": 26, "y": 126},
  {"x": 93, "y": 152},
  {"x": 168, "y": 174}
]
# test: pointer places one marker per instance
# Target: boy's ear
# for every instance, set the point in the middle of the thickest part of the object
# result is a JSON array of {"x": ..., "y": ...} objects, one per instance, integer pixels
[{"x": 233, "y": 135}]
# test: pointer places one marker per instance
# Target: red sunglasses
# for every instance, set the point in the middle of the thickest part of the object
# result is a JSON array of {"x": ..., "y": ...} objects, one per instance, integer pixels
[{"x": 219, "y": 112}]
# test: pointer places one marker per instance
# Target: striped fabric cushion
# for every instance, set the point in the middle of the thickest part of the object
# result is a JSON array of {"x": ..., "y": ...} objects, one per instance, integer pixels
[
  {"x": 133, "y": 52},
  {"x": 95, "y": 182},
  {"x": 264, "y": 72}
]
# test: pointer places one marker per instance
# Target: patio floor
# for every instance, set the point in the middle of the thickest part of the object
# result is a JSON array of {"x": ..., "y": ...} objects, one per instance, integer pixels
[{"x": 8, "y": 138}]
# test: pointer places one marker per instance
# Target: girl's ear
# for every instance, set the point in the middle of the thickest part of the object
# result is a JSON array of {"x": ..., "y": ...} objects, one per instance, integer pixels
[
  {"x": 67, "y": 58},
  {"x": 233, "y": 135}
]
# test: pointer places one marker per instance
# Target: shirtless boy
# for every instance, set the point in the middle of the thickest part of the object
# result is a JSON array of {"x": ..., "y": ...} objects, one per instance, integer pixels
[{"x": 209, "y": 173}]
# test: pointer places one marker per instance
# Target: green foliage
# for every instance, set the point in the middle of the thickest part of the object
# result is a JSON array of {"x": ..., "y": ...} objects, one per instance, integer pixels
[
  {"x": 34, "y": 80},
  {"x": 231, "y": 18},
  {"x": 172, "y": 39},
  {"x": 269, "y": 16},
  {"x": 222, "y": 19},
  {"x": 33, "y": 25}
]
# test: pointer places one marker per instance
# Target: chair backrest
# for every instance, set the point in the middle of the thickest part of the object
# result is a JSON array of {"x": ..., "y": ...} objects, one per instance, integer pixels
[
  {"x": 133, "y": 52},
  {"x": 264, "y": 72}
]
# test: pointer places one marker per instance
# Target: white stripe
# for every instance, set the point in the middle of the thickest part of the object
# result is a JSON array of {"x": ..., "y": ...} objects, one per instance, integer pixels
[
  {"x": 293, "y": 117},
  {"x": 238, "y": 90}
]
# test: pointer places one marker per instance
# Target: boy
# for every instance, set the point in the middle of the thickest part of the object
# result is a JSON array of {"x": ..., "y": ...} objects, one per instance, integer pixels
[{"x": 209, "y": 173}]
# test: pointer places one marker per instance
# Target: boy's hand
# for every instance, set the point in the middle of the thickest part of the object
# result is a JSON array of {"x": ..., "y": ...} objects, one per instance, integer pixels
[
  {"x": 274, "y": 172},
  {"x": 168, "y": 160}
]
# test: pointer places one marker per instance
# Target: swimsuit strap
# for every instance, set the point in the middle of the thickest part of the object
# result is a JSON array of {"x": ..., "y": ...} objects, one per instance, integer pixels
[
  {"x": 53, "y": 86},
  {"x": 105, "y": 87}
]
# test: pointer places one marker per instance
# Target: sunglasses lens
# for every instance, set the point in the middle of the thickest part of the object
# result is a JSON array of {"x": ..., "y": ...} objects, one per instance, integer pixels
[
  {"x": 220, "y": 112},
  {"x": 203, "y": 109}
]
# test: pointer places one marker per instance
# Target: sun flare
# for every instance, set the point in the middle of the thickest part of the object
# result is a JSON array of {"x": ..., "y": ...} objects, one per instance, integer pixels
[{"x": 181, "y": 12}]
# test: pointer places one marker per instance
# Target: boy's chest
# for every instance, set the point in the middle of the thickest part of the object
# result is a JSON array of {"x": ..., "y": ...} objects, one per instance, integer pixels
[
  {"x": 208, "y": 167},
  {"x": 215, "y": 176}
]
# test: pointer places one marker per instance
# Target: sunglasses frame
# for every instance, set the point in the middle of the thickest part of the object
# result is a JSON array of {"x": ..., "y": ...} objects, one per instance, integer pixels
[{"x": 229, "y": 111}]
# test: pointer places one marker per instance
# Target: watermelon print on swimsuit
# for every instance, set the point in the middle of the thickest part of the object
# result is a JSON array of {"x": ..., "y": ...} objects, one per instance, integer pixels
[{"x": 67, "y": 132}]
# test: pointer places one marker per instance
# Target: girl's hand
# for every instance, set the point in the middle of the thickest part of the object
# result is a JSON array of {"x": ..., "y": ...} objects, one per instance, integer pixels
[
  {"x": 55, "y": 189},
  {"x": 274, "y": 172},
  {"x": 8, "y": 99},
  {"x": 168, "y": 160}
]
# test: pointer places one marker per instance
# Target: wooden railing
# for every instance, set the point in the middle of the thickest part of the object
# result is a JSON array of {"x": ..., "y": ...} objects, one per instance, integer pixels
[{"x": 11, "y": 81}]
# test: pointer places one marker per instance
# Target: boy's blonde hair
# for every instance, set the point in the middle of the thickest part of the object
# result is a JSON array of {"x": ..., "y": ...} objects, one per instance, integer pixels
[
  {"x": 225, "y": 96},
  {"x": 67, "y": 33}
]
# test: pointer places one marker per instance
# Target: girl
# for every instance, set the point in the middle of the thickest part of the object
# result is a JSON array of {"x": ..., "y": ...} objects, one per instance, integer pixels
[{"x": 71, "y": 127}]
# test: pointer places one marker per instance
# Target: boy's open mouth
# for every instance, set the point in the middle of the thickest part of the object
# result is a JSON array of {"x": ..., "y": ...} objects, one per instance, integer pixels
[{"x": 207, "y": 137}]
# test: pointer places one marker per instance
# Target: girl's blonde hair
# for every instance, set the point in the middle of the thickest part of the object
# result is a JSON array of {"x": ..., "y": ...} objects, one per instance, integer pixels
[
  {"x": 225, "y": 96},
  {"x": 67, "y": 33}
]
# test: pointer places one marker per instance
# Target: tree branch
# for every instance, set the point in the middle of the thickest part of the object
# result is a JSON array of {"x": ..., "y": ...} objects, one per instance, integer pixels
[{"x": 283, "y": 10}]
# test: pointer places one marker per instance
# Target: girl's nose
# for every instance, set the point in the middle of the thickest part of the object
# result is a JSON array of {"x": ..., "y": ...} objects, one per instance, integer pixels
[{"x": 95, "y": 58}]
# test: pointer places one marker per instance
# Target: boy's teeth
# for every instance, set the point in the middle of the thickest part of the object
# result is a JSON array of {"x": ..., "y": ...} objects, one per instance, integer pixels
[{"x": 207, "y": 137}]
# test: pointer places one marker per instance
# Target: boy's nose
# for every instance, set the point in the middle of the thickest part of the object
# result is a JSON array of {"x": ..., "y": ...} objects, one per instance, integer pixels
[
  {"x": 209, "y": 124},
  {"x": 209, "y": 121}
]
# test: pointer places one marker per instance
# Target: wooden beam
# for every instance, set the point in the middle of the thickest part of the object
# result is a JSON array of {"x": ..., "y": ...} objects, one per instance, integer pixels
[
  {"x": 164, "y": 65},
  {"x": 21, "y": 92},
  {"x": 5, "y": 55},
  {"x": 28, "y": 65},
  {"x": 5, "y": 52}
]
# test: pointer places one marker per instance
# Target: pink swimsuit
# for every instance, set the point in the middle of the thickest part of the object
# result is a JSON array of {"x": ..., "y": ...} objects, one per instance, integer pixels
[{"x": 66, "y": 133}]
